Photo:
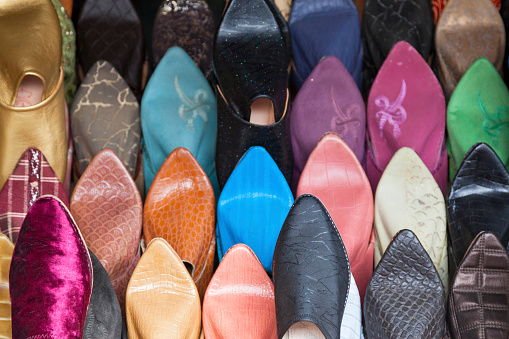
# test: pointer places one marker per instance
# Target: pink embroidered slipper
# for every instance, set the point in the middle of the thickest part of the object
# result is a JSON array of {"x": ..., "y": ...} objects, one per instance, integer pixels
[{"x": 406, "y": 108}]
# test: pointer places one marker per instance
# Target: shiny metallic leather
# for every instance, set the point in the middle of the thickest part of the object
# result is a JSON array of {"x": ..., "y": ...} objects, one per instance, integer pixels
[
  {"x": 108, "y": 210},
  {"x": 180, "y": 208},
  {"x": 409, "y": 198},
  {"x": 405, "y": 298},
  {"x": 467, "y": 30},
  {"x": 162, "y": 300},
  {"x": 239, "y": 302},
  {"x": 6, "y": 249},
  {"x": 41, "y": 125},
  {"x": 479, "y": 298}
]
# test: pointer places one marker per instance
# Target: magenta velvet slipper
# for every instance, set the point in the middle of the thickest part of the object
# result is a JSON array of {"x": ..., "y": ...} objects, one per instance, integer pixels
[
  {"x": 50, "y": 279},
  {"x": 331, "y": 100},
  {"x": 406, "y": 108}
]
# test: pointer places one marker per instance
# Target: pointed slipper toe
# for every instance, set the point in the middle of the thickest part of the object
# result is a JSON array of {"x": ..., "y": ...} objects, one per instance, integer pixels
[
  {"x": 104, "y": 318},
  {"x": 405, "y": 298},
  {"x": 180, "y": 208},
  {"x": 162, "y": 299},
  {"x": 479, "y": 298},
  {"x": 341, "y": 110},
  {"x": 478, "y": 201},
  {"x": 397, "y": 117},
  {"x": 108, "y": 210},
  {"x": 32, "y": 178},
  {"x": 311, "y": 272},
  {"x": 253, "y": 206},
  {"x": 409, "y": 198},
  {"x": 334, "y": 175},
  {"x": 51, "y": 254},
  {"x": 239, "y": 302}
]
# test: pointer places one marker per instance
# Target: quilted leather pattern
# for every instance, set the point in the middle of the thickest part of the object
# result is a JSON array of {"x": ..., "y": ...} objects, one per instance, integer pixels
[
  {"x": 180, "y": 208},
  {"x": 188, "y": 24},
  {"x": 479, "y": 299},
  {"x": 478, "y": 201},
  {"x": 467, "y": 31},
  {"x": 108, "y": 210},
  {"x": 162, "y": 299},
  {"x": 311, "y": 269},
  {"x": 334, "y": 175},
  {"x": 6, "y": 249},
  {"x": 405, "y": 298},
  {"x": 111, "y": 30},
  {"x": 409, "y": 198},
  {"x": 239, "y": 302},
  {"x": 385, "y": 22},
  {"x": 105, "y": 114}
]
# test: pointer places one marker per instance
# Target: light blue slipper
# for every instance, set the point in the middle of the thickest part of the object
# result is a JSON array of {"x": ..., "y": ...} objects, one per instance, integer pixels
[
  {"x": 253, "y": 206},
  {"x": 178, "y": 109}
]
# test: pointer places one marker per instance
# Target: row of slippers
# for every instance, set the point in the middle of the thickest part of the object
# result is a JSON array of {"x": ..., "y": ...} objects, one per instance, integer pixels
[
  {"x": 313, "y": 296},
  {"x": 107, "y": 207}
]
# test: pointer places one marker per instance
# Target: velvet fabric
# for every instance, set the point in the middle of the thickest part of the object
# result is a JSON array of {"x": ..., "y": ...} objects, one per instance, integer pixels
[
  {"x": 320, "y": 28},
  {"x": 51, "y": 275}
]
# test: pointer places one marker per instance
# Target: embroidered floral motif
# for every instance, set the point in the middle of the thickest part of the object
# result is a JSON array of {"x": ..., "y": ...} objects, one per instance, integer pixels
[
  {"x": 192, "y": 107},
  {"x": 341, "y": 123},
  {"x": 494, "y": 124},
  {"x": 392, "y": 113}
]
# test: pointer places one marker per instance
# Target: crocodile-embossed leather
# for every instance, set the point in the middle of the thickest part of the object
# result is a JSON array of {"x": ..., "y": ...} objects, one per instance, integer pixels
[
  {"x": 236, "y": 135},
  {"x": 409, "y": 198},
  {"x": 32, "y": 178},
  {"x": 68, "y": 51},
  {"x": 479, "y": 299},
  {"x": 162, "y": 299},
  {"x": 398, "y": 118},
  {"x": 476, "y": 113},
  {"x": 311, "y": 269},
  {"x": 180, "y": 208},
  {"x": 405, "y": 298},
  {"x": 351, "y": 324},
  {"x": 239, "y": 302},
  {"x": 108, "y": 210},
  {"x": 478, "y": 201},
  {"x": 325, "y": 27},
  {"x": 6, "y": 249},
  {"x": 334, "y": 175},
  {"x": 332, "y": 100},
  {"x": 111, "y": 30},
  {"x": 385, "y": 22},
  {"x": 467, "y": 30},
  {"x": 104, "y": 318},
  {"x": 188, "y": 24},
  {"x": 105, "y": 114}
]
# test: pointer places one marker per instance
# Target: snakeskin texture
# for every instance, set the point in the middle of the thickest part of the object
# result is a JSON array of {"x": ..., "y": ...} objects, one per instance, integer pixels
[
  {"x": 6, "y": 249},
  {"x": 239, "y": 302},
  {"x": 180, "y": 208},
  {"x": 311, "y": 269},
  {"x": 334, "y": 175},
  {"x": 111, "y": 30},
  {"x": 162, "y": 299},
  {"x": 467, "y": 31},
  {"x": 385, "y": 22},
  {"x": 479, "y": 299},
  {"x": 409, "y": 198},
  {"x": 478, "y": 201},
  {"x": 405, "y": 298},
  {"x": 68, "y": 51},
  {"x": 105, "y": 114},
  {"x": 236, "y": 135},
  {"x": 188, "y": 24},
  {"x": 32, "y": 178},
  {"x": 108, "y": 210}
]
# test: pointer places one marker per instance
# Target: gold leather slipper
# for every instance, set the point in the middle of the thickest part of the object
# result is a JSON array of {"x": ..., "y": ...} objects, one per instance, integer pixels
[{"x": 6, "y": 249}]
